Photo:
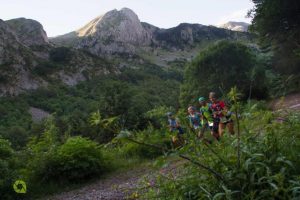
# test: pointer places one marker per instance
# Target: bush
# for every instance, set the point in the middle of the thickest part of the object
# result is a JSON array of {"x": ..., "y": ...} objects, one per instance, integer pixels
[
  {"x": 17, "y": 135},
  {"x": 60, "y": 54},
  {"x": 141, "y": 151},
  {"x": 46, "y": 68},
  {"x": 49, "y": 159},
  {"x": 147, "y": 144},
  {"x": 77, "y": 159},
  {"x": 158, "y": 116}
]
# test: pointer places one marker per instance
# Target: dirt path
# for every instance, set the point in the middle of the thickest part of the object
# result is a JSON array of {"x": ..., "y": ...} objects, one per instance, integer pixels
[
  {"x": 291, "y": 102},
  {"x": 118, "y": 186},
  {"x": 115, "y": 187}
]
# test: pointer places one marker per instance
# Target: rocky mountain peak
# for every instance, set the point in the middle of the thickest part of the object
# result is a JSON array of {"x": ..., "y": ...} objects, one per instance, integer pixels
[
  {"x": 129, "y": 13},
  {"x": 235, "y": 26},
  {"x": 120, "y": 32},
  {"x": 28, "y": 31},
  {"x": 116, "y": 31},
  {"x": 111, "y": 19},
  {"x": 122, "y": 26}
]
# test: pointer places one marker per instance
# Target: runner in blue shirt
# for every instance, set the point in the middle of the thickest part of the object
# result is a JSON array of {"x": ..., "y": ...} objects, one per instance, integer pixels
[{"x": 195, "y": 120}]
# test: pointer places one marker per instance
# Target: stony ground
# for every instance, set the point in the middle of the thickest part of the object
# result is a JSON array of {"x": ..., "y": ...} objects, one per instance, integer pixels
[
  {"x": 122, "y": 185},
  {"x": 38, "y": 114},
  {"x": 291, "y": 101},
  {"x": 118, "y": 186}
]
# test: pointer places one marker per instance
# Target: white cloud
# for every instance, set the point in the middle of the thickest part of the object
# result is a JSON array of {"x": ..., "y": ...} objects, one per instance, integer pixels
[{"x": 239, "y": 16}]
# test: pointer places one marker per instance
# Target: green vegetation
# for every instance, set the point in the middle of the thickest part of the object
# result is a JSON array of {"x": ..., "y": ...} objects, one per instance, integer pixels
[
  {"x": 60, "y": 54},
  {"x": 78, "y": 142},
  {"x": 77, "y": 159},
  {"x": 266, "y": 167},
  {"x": 221, "y": 66},
  {"x": 113, "y": 122},
  {"x": 7, "y": 169},
  {"x": 277, "y": 23}
]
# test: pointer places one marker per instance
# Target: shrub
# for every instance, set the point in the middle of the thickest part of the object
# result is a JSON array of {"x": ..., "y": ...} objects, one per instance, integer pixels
[
  {"x": 46, "y": 68},
  {"x": 158, "y": 116},
  {"x": 77, "y": 159},
  {"x": 60, "y": 54},
  {"x": 17, "y": 135},
  {"x": 141, "y": 151},
  {"x": 149, "y": 143}
]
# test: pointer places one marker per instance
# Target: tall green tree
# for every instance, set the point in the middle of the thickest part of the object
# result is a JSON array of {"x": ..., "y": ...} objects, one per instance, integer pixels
[
  {"x": 220, "y": 67},
  {"x": 277, "y": 23}
]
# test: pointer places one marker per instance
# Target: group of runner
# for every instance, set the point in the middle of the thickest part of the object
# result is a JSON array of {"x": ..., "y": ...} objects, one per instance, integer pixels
[{"x": 213, "y": 115}]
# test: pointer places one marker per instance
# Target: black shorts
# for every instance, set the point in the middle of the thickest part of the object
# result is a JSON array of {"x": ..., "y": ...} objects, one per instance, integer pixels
[
  {"x": 180, "y": 130},
  {"x": 215, "y": 127}
]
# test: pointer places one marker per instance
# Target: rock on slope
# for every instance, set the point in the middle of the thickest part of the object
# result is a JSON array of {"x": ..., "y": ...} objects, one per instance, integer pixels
[
  {"x": 28, "y": 31},
  {"x": 15, "y": 62}
]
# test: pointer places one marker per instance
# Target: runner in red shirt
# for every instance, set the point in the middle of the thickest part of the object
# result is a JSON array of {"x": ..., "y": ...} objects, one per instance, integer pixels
[{"x": 221, "y": 116}]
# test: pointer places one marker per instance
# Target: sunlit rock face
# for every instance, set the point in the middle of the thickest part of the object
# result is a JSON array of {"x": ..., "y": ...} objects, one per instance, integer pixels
[{"x": 116, "y": 32}]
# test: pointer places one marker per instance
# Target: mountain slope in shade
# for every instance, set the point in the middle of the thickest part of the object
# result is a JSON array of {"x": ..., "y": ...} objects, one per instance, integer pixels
[
  {"x": 15, "y": 62},
  {"x": 28, "y": 61},
  {"x": 28, "y": 31},
  {"x": 235, "y": 26}
]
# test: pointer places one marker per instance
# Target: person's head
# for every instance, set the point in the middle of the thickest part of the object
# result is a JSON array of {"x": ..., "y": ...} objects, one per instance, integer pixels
[
  {"x": 202, "y": 101},
  {"x": 170, "y": 115},
  {"x": 212, "y": 97},
  {"x": 191, "y": 109}
]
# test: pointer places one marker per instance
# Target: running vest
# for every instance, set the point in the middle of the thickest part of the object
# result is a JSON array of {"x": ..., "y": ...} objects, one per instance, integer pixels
[
  {"x": 195, "y": 120},
  {"x": 173, "y": 124}
]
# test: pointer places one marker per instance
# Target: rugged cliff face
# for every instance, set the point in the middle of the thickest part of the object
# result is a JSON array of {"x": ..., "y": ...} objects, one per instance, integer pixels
[
  {"x": 121, "y": 32},
  {"x": 28, "y": 61},
  {"x": 28, "y": 31},
  {"x": 15, "y": 63},
  {"x": 186, "y": 36}
]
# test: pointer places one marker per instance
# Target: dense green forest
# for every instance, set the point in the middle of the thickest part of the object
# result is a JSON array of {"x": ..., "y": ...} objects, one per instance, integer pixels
[{"x": 117, "y": 121}]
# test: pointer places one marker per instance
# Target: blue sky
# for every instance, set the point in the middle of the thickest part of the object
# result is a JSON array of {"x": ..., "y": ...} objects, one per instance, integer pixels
[{"x": 62, "y": 16}]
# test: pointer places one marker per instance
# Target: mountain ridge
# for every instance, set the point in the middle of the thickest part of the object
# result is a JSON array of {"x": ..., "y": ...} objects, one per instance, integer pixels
[
  {"x": 121, "y": 32},
  {"x": 106, "y": 44}
]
